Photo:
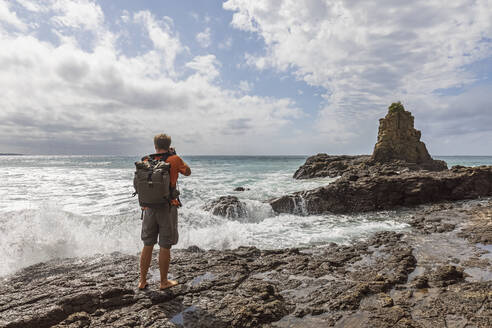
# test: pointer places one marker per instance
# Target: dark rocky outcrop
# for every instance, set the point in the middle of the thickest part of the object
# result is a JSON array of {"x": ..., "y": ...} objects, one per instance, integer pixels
[
  {"x": 227, "y": 206},
  {"x": 323, "y": 165},
  {"x": 400, "y": 172},
  {"x": 398, "y": 148},
  {"x": 389, "y": 280},
  {"x": 369, "y": 193}
]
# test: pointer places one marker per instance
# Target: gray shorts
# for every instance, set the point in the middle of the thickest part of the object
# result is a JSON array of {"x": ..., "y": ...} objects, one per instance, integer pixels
[{"x": 162, "y": 222}]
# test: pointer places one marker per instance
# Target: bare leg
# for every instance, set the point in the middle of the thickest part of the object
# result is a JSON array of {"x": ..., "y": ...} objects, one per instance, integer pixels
[
  {"x": 164, "y": 259},
  {"x": 145, "y": 259}
]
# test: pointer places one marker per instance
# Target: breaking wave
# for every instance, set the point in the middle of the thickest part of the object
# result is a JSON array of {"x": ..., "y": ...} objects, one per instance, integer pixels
[
  {"x": 30, "y": 236},
  {"x": 78, "y": 206}
]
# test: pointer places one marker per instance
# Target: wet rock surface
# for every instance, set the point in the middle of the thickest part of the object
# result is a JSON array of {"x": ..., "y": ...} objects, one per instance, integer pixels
[
  {"x": 370, "y": 193},
  {"x": 418, "y": 278},
  {"x": 480, "y": 229},
  {"x": 227, "y": 206}
]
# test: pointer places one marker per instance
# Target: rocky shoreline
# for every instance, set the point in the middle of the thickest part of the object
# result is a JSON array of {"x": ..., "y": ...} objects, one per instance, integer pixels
[
  {"x": 400, "y": 172},
  {"x": 437, "y": 273},
  {"x": 361, "y": 191}
]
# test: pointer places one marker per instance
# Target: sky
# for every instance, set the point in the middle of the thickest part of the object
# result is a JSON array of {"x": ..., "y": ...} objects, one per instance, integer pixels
[{"x": 242, "y": 77}]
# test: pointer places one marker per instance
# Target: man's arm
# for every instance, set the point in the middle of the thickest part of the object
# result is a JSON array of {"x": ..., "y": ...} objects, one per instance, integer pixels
[{"x": 184, "y": 168}]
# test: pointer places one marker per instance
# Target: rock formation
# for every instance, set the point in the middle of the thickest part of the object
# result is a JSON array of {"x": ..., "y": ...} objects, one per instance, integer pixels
[
  {"x": 399, "y": 140},
  {"x": 227, "y": 206},
  {"x": 398, "y": 148},
  {"x": 397, "y": 174},
  {"x": 356, "y": 193},
  {"x": 323, "y": 165}
]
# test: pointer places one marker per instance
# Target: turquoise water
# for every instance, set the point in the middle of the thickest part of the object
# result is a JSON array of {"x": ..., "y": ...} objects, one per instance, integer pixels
[
  {"x": 466, "y": 160},
  {"x": 62, "y": 206}
]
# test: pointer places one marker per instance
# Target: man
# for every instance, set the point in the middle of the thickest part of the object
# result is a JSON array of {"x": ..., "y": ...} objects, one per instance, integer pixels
[{"x": 162, "y": 222}]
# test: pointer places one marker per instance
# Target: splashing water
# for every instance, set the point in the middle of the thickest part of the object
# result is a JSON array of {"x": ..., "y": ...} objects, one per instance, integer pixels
[{"x": 65, "y": 206}]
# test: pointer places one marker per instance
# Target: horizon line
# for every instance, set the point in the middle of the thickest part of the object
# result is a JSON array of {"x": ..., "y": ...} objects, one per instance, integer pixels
[{"x": 236, "y": 155}]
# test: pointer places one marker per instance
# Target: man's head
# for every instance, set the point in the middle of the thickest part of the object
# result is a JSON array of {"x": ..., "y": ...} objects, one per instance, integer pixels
[{"x": 162, "y": 142}]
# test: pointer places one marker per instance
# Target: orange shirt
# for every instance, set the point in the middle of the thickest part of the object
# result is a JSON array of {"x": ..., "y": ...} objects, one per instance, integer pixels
[{"x": 177, "y": 166}]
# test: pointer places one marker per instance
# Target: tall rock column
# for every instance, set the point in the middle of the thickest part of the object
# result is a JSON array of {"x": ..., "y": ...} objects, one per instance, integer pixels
[{"x": 399, "y": 140}]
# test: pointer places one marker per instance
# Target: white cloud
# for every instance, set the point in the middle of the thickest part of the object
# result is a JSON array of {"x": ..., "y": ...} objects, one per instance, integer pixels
[
  {"x": 204, "y": 38},
  {"x": 206, "y": 66},
  {"x": 31, "y": 5},
  {"x": 367, "y": 54},
  {"x": 125, "y": 16},
  {"x": 78, "y": 14},
  {"x": 10, "y": 17},
  {"x": 60, "y": 97},
  {"x": 165, "y": 40},
  {"x": 245, "y": 86}
]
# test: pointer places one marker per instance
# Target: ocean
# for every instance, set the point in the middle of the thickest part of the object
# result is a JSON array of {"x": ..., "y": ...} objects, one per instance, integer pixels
[{"x": 67, "y": 206}]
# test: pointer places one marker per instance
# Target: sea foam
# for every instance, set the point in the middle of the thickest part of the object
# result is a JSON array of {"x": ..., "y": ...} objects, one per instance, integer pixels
[{"x": 66, "y": 206}]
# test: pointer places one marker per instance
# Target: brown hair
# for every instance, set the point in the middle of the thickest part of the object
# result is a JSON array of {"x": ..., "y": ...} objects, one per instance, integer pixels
[{"x": 162, "y": 141}]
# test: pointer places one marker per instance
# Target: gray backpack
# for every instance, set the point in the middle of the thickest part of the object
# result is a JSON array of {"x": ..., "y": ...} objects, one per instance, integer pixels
[{"x": 152, "y": 183}]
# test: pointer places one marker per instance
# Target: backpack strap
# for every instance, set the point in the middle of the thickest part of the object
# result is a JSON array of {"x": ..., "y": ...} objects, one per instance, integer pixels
[{"x": 159, "y": 156}]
